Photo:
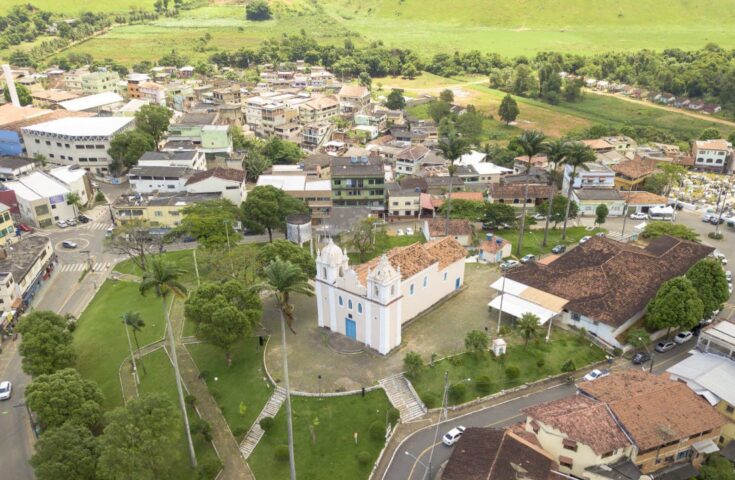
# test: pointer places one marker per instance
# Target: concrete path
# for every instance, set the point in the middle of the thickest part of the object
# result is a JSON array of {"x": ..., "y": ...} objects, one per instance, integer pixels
[
  {"x": 255, "y": 433},
  {"x": 401, "y": 394}
]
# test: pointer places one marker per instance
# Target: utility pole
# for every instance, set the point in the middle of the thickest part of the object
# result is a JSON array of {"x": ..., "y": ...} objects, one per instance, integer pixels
[
  {"x": 442, "y": 413},
  {"x": 500, "y": 311}
]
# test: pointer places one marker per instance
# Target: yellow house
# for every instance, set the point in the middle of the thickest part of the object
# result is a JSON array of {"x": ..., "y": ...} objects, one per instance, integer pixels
[
  {"x": 6, "y": 225},
  {"x": 161, "y": 211},
  {"x": 631, "y": 174}
]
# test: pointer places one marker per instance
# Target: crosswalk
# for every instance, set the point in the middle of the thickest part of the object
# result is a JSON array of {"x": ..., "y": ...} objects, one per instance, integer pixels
[
  {"x": 78, "y": 267},
  {"x": 94, "y": 226}
]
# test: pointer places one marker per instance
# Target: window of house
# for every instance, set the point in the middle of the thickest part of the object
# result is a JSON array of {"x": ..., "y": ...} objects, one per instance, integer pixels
[
  {"x": 339, "y": 300},
  {"x": 392, "y": 290},
  {"x": 324, "y": 272},
  {"x": 566, "y": 462},
  {"x": 569, "y": 445},
  {"x": 682, "y": 455},
  {"x": 349, "y": 304},
  {"x": 426, "y": 281},
  {"x": 576, "y": 317},
  {"x": 669, "y": 459},
  {"x": 411, "y": 289},
  {"x": 58, "y": 144},
  {"x": 359, "y": 308},
  {"x": 609, "y": 454},
  {"x": 445, "y": 276},
  {"x": 38, "y": 141},
  {"x": 729, "y": 409}
]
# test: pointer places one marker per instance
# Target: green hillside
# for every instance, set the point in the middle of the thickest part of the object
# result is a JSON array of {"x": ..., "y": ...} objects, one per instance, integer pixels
[{"x": 73, "y": 7}]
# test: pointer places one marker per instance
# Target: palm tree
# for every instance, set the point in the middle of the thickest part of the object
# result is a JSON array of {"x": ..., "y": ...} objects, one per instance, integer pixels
[
  {"x": 136, "y": 324},
  {"x": 532, "y": 143},
  {"x": 75, "y": 201},
  {"x": 528, "y": 326},
  {"x": 163, "y": 279},
  {"x": 577, "y": 155},
  {"x": 283, "y": 278},
  {"x": 555, "y": 152},
  {"x": 452, "y": 146}
]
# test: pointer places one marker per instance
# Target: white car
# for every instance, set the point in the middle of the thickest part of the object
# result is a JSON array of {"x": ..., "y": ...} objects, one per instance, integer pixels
[
  {"x": 508, "y": 264},
  {"x": 451, "y": 437},
  {"x": 409, "y": 231},
  {"x": 638, "y": 216},
  {"x": 707, "y": 217},
  {"x": 6, "y": 390},
  {"x": 400, "y": 232},
  {"x": 528, "y": 258},
  {"x": 538, "y": 217},
  {"x": 585, "y": 239},
  {"x": 595, "y": 374},
  {"x": 683, "y": 337},
  {"x": 728, "y": 276}
]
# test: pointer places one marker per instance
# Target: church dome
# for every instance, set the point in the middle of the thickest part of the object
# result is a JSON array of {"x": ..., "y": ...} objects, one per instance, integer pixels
[{"x": 331, "y": 254}]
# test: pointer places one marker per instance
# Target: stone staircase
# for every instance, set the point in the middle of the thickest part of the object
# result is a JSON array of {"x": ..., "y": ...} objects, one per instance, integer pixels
[
  {"x": 402, "y": 395},
  {"x": 255, "y": 433}
]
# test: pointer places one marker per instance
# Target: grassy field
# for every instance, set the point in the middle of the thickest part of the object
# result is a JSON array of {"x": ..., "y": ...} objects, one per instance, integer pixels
[
  {"x": 73, "y": 7},
  {"x": 533, "y": 239},
  {"x": 181, "y": 258},
  {"x": 244, "y": 382},
  {"x": 564, "y": 346},
  {"x": 100, "y": 341},
  {"x": 323, "y": 438}
]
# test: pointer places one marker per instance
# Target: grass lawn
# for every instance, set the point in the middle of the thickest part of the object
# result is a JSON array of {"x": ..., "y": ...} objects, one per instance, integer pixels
[
  {"x": 323, "y": 438},
  {"x": 160, "y": 379},
  {"x": 383, "y": 243},
  {"x": 181, "y": 258},
  {"x": 563, "y": 346},
  {"x": 99, "y": 340},
  {"x": 74, "y": 7},
  {"x": 244, "y": 382},
  {"x": 533, "y": 239}
]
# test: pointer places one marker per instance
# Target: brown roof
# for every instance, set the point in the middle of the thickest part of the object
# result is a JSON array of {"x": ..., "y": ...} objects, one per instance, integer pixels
[
  {"x": 457, "y": 226},
  {"x": 498, "y": 191},
  {"x": 610, "y": 281},
  {"x": 492, "y": 246},
  {"x": 223, "y": 173},
  {"x": 598, "y": 144},
  {"x": 485, "y": 453},
  {"x": 9, "y": 113},
  {"x": 636, "y": 168},
  {"x": 46, "y": 117},
  {"x": 583, "y": 420},
  {"x": 53, "y": 96},
  {"x": 644, "y": 198},
  {"x": 718, "y": 144},
  {"x": 470, "y": 196},
  {"x": 653, "y": 409},
  {"x": 416, "y": 257},
  {"x": 413, "y": 153},
  {"x": 353, "y": 91}
]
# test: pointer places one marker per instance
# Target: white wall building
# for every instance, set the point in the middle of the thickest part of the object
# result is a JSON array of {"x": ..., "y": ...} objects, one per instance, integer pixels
[
  {"x": 228, "y": 182},
  {"x": 21, "y": 270},
  {"x": 179, "y": 158},
  {"x": 370, "y": 303},
  {"x": 715, "y": 155},
  {"x": 76, "y": 180},
  {"x": 597, "y": 175},
  {"x": 159, "y": 179},
  {"x": 41, "y": 199}
]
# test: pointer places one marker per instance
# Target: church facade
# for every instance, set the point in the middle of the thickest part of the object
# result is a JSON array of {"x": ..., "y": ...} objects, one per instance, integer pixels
[{"x": 371, "y": 302}]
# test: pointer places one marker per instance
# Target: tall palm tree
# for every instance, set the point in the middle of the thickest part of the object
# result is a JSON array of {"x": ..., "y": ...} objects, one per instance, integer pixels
[
  {"x": 452, "y": 146},
  {"x": 555, "y": 152},
  {"x": 532, "y": 143},
  {"x": 528, "y": 327},
  {"x": 163, "y": 279},
  {"x": 577, "y": 155},
  {"x": 283, "y": 278},
  {"x": 75, "y": 201},
  {"x": 135, "y": 322}
]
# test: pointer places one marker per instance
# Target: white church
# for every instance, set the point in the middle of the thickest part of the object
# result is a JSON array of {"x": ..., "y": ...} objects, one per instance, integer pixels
[{"x": 370, "y": 302}]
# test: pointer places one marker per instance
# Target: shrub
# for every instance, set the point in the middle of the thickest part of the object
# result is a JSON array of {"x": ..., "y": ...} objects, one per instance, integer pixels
[
  {"x": 568, "y": 366},
  {"x": 377, "y": 430},
  {"x": 457, "y": 360},
  {"x": 239, "y": 431},
  {"x": 617, "y": 351},
  {"x": 483, "y": 385},
  {"x": 99, "y": 197},
  {"x": 198, "y": 425},
  {"x": 363, "y": 457},
  {"x": 266, "y": 423},
  {"x": 413, "y": 364},
  {"x": 393, "y": 416},
  {"x": 430, "y": 400},
  {"x": 281, "y": 453},
  {"x": 457, "y": 392},
  {"x": 504, "y": 330},
  {"x": 540, "y": 363},
  {"x": 190, "y": 400},
  {"x": 512, "y": 372},
  {"x": 208, "y": 469},
  {"x": 715, "y": 235}
]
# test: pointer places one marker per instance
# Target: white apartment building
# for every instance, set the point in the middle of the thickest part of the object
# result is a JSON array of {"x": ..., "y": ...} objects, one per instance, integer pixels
[
  {"x": 313, "y": 135},
  {"x": 22, "y": 268},
  {"x": 178, "y": 158},
  {"x": 82, "y": 141},
  {"x": 596, "y": 175},
  {"x": 76, "y": 180},
  {"x": 408, "y": 161},
  {"x": 145, "y": 179},
  {"x": 320, "y": 109},
  {"x": 228, "y": 182},
  {"x": 713, "y": 155}
]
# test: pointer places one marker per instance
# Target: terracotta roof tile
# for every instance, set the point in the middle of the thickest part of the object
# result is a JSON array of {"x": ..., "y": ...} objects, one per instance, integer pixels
[
  {"x": 505, "y": 192},
  {"x": 644, "y": 198},
  {"x": 636, "y": 168},
  {"x": 457, "y": 226},
  {"x": 447, "y": 250}
]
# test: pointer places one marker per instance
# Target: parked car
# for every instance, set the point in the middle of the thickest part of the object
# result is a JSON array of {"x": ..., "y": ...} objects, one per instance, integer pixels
[
  {"x": 595, "y": 374},
  {"x": 600, "y": 235},
  {"x": 409, "y": 231},
  {"x": 539, "y": 217},
  {"x": 683, "y": 337},
  {"x": 452, "y": 436},
  {"x": 707, "y": 217},
  {"x": 664, "y": 346},
  {"x": 585, "y": 239},
  {"x": 109, "y": 231},
  {"x": 715, "y": 220},
  {"x": 528, "y": 258},
  {"x": 728, "y": 276},
  {"x": 6, "y": 390},
  {"x": 400, "y": 232},
  {"x": 24, "y": 228},
  {"x": 68, "y": 244},
  {"x": 641, "y": 357},
  {"x": 638, "y": 216},
  {"x": 84, "y": 219},
  {"x": 559, "y": 249},
  {"x": 676, "y": 205},
  {"x": 61, "y": 224},
  {"x": 508, "y": 264},
  {"x": 71, "y": 222}
]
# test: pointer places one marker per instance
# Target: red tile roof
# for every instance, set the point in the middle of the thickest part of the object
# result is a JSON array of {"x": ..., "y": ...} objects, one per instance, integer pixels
[{"x": 223, "y": 173}]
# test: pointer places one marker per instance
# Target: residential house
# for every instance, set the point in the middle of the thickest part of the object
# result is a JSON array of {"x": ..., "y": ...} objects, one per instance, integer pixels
[
  {"x": 621, "y": 143},
  {"x": 599, "y": 145},
  {"x": 51, "y": 98},
  {"x": 459, "y": 229},
  {"x": 316, "y": 193},
  {"x": 7, "y": 229},
  {"x": 631, "y": 174},
  {"x": 607, "y": 284},
  {"x": 201, "y": 129},
  {"x": 711, "y": 376},
  {"x": 485, "y": 173},
  {"x": 153, "y": 93},
  {"x": 718, "y": 338},
  {"x": 22, "y": 270},
  {"x": 82, "y": 141},
  {"x": 713, "y": 155},
  {"x": 89, "y": 83},
  {"x": 537, "y": 176},
  {"x": 520, "y": 163},
  {"x": 13, "y": 167},
  {"x": 161, "y": 210},
  {"x": 145, "y": 179},
  {"x": 98, "y": 102},
  {"x": 514, "y": 194},
  {"x": 377, "y": 120},
  {"x": 595, "y": 175},
  {"x": 494, "y": 249},
  {"x": 642, "y": 202},
  {"x": 408, "y": 161},
  {"x": 228, "y": 182},
  {"x": 353, "y": 99},
  {"x": 178, "y": 158},
  {"x": 371, "y": 302},
  {"x": 589, "y": 199},
  {"x": 666, "y": 421},
  {"x": 358, "y": 181},
  {"x": 404, "y": 202},
  {"x": 313, "y": 135},
  {"x": 320, "y": 109}
]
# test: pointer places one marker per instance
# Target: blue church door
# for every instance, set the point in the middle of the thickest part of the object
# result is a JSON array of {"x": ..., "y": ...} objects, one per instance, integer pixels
[
  {"x": 351, "y": 328},
  {"x": 457, "y": 284}
]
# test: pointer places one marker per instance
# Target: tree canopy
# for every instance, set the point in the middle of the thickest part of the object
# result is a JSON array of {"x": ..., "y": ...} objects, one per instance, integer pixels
[
  {"x": 676, "y": 305},
  {"x": 282, "y": 152},
  {"x": 258, "y": 10},
  {"x": 128, "y": 147},
  {"x": 708, "y": 278},
  {"x": 211, "y": 222},
  {"x": 659, "y": 229},
  {"x": 395, "y": 100},
  {"x": 601, "y": 213},
  {"x": 558, "y": 208},
  {"x": 287, "y": 250},
  {"x": 46, "y": 345},
  {"x": 361, "y": 237},
  {"x": 68, "y": 451},
  {"x": 499, "y": 213},
  {"x": 267, "y": 207},
  {"x": 717, "y": 467},
  {"x": 153, "y": 120},
  {"x": 65, "y": 396},
  {"x": 476, "y": 341},
  {"x": 472, "y": 210},
  {"x": 24, "y": 95}
]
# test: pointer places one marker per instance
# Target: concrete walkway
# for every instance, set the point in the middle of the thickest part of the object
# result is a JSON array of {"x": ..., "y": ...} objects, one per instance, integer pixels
[{"x": 256, "y": 432}]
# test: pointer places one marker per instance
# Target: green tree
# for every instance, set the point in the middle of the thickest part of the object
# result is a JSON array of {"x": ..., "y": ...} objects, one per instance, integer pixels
[
  {"x": 69, "y": 451},
  {"x": 447, "y": 96},
  {"x": 717, "y": 467},
  {"x": 659, "y": 229},
  {"x": 24, "y": 95},
  {"x": 409, "y": 71},
  {"x": 601, "y": 213},
  {"x": 476, "y": 341},
  {"x": 639, "y": 338},
  {"x": 46, "y": 344},
  {"x": 73, "y": 199},
  {"x": 572, "y": 90},
  {"x": 710, "y": 133},
  {"x": 499, "y": 213},
  {"x": 549, "y": 83},
  {"x": 524, "y": 83},
  {"x": 395, "y": 100},
  {"x": 163, "y": 279},
  {"x": 289, "y": 251},
  {"x": 365, "y": 80},
  {"x": 239, "y": 142},
  {"x": 556, "y": 150},
  {"x": 254, "y": 165},
  {"x": 470, "y": 123},
  {"x": 709, "y": 280},
  {"x": 531, "y": 143},
  {"x": 439, "y": 110},
  {"x": 153, "y": 119},
  {"x": 452, "y": 146},
  {"x": 140, "y": 440},
  {"x": 558, "y": 209},
  {"x": 508, "y": 110},
  {"x": 283, "y": 278},
  {"x": 413, "y": 364},
  {"x": 361, "y": 237},
  {"x": 470, "y": 209},
  {"x": 267, "y": 207},
  {"x": 578, "y": 154},
  {"x": 282, "y": 152},
  {"x": 673, "y": 173},
  {"x": 65, "y": 396},
  {"x": 528, "y": 327},
  {"x": 223, "y": 313},
  {"x": 133, "y": 321},
  {"x": 656, "y": 183},
  {"x": 676, "y": 305},
  {"x": 211, "y": 223},
  {"x": 128, "y": 147},
  {"x": 258, "y": 10}
]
